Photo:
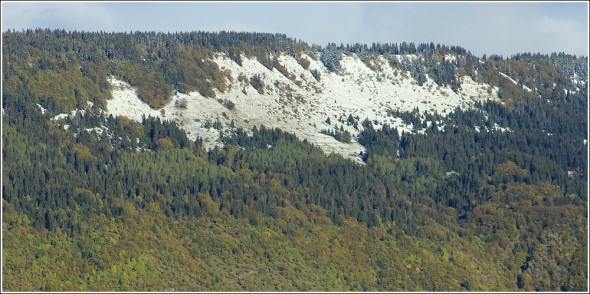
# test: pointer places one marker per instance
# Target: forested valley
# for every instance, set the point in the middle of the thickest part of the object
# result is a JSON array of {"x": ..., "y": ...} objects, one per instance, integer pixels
[{"x": 461, "y": 206}]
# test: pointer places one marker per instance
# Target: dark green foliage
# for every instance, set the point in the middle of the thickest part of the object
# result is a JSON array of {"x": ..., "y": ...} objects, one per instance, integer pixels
[
  {"x": 138, "y": 206},
  {"x": 340, "y": 135},
  {"x": 235, "y": 56},
  {"x": 155, "y": 63},
  {"x": 316, "y": 74},
  {"x": 497, "y": 182},
  {"x": 229, "y": 104},
  {"x": 257, "y": 83}
]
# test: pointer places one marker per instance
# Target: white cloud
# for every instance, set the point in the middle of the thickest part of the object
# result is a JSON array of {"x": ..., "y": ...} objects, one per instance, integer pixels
[
  {"x": 491, "y": 28},
  {"x": 69, "y": 16}
]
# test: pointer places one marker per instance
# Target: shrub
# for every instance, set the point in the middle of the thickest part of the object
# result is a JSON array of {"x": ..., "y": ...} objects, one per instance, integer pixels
[
  {"x": 304, "y": 62},
  {"x": 257, "y": 83},
  {"x": 181, "y": 103},
  {"x": 229, "y": 104},
  {"x": 316, "y": 74}
]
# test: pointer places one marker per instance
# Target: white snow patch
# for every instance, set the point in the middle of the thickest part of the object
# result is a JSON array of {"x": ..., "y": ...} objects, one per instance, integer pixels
[
  {"x": 43, "y": 110},
  {"x": 60, "y": 116},
  {"x": 199, "y": 109},
  {"x": 515, "y": 82},
  {"x": 450, "y": 57},
  {"x": 501, "y": 129},
  {"x": 102, "y": 130},
  {"x": 577, "y": 81},
  {"x": 409, "y": 57},
  {"x": 302, "y": 105},
  {"x": 126, "y": 103},
  {"x": 71, "y": 114},
  {"x": 98, "y": 130}
]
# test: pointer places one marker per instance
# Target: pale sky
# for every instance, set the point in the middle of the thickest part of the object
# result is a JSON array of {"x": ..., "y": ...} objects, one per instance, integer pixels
[{"x": 490, "y": 28}]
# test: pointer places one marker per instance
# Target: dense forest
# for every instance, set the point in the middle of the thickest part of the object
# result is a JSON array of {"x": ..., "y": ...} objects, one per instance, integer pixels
[{"x": 488, "y": 199}]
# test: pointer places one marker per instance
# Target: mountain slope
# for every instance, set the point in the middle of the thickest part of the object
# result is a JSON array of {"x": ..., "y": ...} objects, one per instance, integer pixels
[
  {"x": 484, "y": 188},
  {"x": 301, "y": 104}
]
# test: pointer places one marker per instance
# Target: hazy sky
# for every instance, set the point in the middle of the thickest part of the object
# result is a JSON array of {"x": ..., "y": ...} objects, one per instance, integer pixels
[{"x": 490, "y": 28}]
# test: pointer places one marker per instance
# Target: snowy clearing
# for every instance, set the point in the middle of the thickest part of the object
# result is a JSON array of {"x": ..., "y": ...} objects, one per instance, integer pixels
[{"x": 301, "y": 104}]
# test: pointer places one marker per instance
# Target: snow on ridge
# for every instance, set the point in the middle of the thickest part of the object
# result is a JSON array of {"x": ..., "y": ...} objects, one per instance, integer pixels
[
  {"x": 355, "y": 90},
  {"x": 303, "y": 104},
  {"x": 515, "y": 82},
  {"x": 401, "y": 57},
  {"x": 450, "y": 57},
  {"x": 295, "y": 68}
]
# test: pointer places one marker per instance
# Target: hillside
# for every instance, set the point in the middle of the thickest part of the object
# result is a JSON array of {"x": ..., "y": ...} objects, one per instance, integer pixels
[
  {"x": 248, "y": 162},
  {"x": 295, "y": 101}
]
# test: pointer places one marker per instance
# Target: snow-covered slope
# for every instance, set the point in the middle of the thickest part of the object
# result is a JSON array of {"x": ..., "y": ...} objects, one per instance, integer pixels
[
  {"x": 301, "y": 104},
  {"x": 515, "y": 82}
]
